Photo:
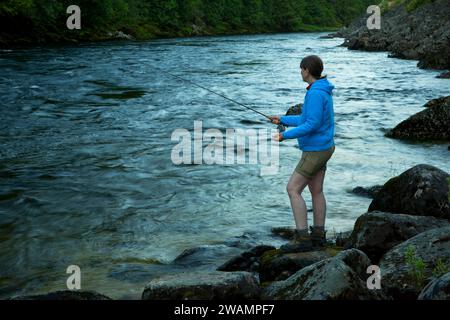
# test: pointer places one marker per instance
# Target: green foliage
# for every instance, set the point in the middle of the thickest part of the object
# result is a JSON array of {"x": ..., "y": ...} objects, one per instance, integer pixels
[
  {"x": 448, "y": 189},
  {"x": 17, "y": 7},
  {"x": 416, "y": 265},
  {"x": 410, "y": 5},
  {"x": 440, "y": 268},
  {"x": 149, "y": 18},
  {"x": 414, "y": 4}
]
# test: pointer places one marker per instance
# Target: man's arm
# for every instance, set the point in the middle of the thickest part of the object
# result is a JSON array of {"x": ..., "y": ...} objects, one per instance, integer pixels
[
  {"x": 313, "y": 120},
  {"x": 290, "y": 121}
]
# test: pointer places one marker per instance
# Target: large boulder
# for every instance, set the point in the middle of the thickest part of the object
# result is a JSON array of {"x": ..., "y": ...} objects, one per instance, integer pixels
[
  {"x": 214, "y": 285},
  {"x": 339, "y": 278},
  {"x": 421, "y": 190},
  {"x": 438, "y": 289},
  {"x": 66, "y": 295},
  {"x": 377, "y": 232},
  {"x": 408, "y": 267},
  {"x": 433, "y": 123},
  {"x": 246, "y": 261},
  {"x": 276, "y": 265}
]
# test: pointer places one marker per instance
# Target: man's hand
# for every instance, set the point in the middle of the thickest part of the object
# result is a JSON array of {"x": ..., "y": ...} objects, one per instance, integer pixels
[
  {"x": 278, "y": 137},
  {"x": 274, "y": 119}
]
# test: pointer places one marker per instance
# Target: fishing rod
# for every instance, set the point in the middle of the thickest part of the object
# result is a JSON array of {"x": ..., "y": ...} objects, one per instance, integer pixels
[
  {"x": 281, "y": 128},
  {"x": 219, "y": 94}
]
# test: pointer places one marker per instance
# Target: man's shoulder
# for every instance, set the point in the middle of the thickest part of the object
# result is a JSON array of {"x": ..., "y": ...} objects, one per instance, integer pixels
[{"x": 316, "y": 94}]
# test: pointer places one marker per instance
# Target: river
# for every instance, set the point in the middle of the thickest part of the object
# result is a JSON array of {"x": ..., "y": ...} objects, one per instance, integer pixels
[{"x": 85, "y": 160}]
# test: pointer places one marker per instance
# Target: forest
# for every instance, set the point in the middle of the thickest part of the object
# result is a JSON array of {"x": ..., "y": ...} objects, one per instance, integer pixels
[{"x": 45, "y": 20}]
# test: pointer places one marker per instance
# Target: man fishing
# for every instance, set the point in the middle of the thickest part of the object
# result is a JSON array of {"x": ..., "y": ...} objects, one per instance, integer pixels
[{"x": 314, "y": 130}]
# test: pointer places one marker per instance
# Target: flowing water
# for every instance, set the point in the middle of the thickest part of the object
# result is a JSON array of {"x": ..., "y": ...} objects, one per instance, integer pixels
[{"x": 85, "y": 159}]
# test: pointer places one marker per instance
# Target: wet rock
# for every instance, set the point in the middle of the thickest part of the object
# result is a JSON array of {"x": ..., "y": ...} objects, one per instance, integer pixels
[
  {"x": 337, "y": 278},
  {"x": 246, "y": 261},
  {"x": 405, "y": 280},
  {"x": 66, "y": 295},
  {"x": 247, "y": 240},
  {"x": 276, "y": 265},
  {"x": 329, "y": 36},
  {"x": 343, "y": 239},
  {"x": 213, "y": 285},
  {"x": 206, "y": 256},
  {"x": 433, "y": 123},
  {"x": 438, "y": 102},
  {"x": 119, "y": 35},
  {"x": 376, "y": 232},
  {"x": 421, "y": 190},
  {"x": 357, "y": 260},
  {"x": 438, "y": 289},
  {"x": 444, "y": 75},
  {"x": 369, "y": 192},
  {"x": 295, "y": 110}
]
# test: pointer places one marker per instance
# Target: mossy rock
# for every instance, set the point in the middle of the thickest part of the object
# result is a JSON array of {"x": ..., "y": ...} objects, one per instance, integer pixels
[
  {"x": 270, "y": 255},
  {"x": 333, "y": 250},
  {"x": 276, "y": 266}
]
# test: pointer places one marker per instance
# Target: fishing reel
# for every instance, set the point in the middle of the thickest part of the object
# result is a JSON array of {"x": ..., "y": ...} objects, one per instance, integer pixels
[{"x": 280, "y": 127}]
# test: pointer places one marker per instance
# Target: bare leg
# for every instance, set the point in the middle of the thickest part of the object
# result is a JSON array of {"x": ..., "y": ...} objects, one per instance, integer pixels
[
  {"x": 318, "y": 198},
  {"x": 295, "y": 187}
]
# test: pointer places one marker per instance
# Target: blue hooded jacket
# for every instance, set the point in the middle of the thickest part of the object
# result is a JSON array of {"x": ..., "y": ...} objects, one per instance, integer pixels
[{"x": 314, "y": 127}]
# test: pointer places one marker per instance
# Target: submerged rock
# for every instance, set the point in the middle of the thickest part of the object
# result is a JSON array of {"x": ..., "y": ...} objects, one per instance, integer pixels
[
  {"x": 206, "y": 256},
  {"x": 376, "y": 232},
  {"x": 369, "y": 192},
  {"x": 438, "y": 289},
  {"x": 408, "y": 267},
  {"x": 141, "y": 272},
  {"x": 444, "y": 75},
  {"x": 433, "y": 123},
  {"x": 66, "y": 295},
  {"x": 213, "y": 285},
  {"x": 421, "y": 190},
  {"x": 339, "y": 278}
]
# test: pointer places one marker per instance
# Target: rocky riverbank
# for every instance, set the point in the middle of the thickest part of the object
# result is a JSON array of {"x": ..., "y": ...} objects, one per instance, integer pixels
[
  {"x": 421, "y": 34},
  {"x": 405, "y": 231}
]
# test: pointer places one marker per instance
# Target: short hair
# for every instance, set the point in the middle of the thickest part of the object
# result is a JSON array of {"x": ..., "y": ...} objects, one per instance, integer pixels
[{"x": 314, "y": 64}]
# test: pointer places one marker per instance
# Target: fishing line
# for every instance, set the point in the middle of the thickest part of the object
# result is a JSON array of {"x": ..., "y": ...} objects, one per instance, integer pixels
[{"x": 204, "y": 88}]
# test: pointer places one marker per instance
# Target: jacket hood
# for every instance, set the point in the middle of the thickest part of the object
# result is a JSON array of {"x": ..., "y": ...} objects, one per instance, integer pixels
[{"x": 324, "y": 85}]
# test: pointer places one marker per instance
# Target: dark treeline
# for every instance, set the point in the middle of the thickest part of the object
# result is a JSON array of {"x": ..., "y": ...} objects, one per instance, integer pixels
[{"x": 45, "y": 20}]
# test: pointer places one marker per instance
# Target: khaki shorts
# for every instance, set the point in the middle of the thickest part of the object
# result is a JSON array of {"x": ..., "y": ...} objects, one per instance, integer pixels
[{"x": 314, "y": 161}]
